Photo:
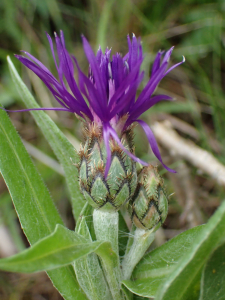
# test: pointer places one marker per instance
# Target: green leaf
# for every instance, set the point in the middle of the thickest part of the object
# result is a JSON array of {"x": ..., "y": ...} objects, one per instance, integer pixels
[
  {"x": 9, "y": 218},
  {"x": 148, "y": 288},
  {"x": 127, "y": 293},
  {"x": 136, "y": 297},
  {"x": 31, "y": 198},
  {"x": 62, "y": 148},
  {"x": 58, "y": 249},
  {"x": 144, "y": 287},
  {"x": 35, "y": 209},
  {"x": 213, "y": 276},
  {"x": 193, "y": 290},
  {"x": 183, "y": 275},
  {"x": 64, "y": 280},
  {"x": 86, "y": 213},
  {"x": 159, "y": 263}
]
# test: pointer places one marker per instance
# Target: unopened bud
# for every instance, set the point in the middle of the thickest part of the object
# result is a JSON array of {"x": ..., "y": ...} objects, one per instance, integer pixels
[{"x": 149, "y": 205}]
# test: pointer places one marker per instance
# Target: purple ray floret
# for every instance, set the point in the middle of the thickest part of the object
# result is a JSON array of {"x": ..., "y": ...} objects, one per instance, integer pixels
[{"x": 108, "y": 93}]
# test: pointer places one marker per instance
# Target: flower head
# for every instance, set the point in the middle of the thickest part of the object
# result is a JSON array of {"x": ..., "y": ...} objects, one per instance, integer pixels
[
  {"x": 149, "y": 205},
  {"x": 107, "y": 96}
]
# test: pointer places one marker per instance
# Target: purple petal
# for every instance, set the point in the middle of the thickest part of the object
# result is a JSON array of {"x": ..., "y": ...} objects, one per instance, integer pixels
[
  {"x": 153, "y": 143},
  {"x": 95, "y": 69},
  {"x": 133, "y": 53},
  {"x": 117, "y": 70},
  {"x": 60, "y": 92},
  {"x": 68, "y": 70},
  {"x": 99, "y": 55},
  {"x": 40, "y": 64},
  {"x": 135, "y": 83},
  {"x": 32, "y": 66},
  {"x": 45, "y": 77},
  {"x": 156, "y": 64},
  {"x": 127, "y": 100},
  {"x": 104, "y": 69},
  {"x": 137, "y": 110},
  {"x": 176, "y": 65},
  {"x": 128, "y": 80},
  {"x": 116, "y": 138},
  {"x": 129, "y": 48},
  {"x": 52, "y": 49},
  {"x": 59, "y": 52},
  {"x": 167, "y": 55},
  {"x": 92, "y": 96},
  {"x": 126, "y": 56},
  {"x": 152, "y": 84}
]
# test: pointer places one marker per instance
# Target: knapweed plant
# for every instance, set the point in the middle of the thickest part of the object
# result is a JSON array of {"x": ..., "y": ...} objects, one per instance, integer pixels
[{"x": 101, "y": 258}]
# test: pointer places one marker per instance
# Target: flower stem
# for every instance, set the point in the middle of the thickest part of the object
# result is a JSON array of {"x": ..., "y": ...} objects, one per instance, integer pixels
[
  {"x": 88, "y": 270},
  {"x": 106, "y": 229},
  {"x": 141, "y": 241}
]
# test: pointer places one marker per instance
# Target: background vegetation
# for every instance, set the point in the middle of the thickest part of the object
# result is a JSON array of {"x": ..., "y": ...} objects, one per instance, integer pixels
[{"x": 196, "y": 28}]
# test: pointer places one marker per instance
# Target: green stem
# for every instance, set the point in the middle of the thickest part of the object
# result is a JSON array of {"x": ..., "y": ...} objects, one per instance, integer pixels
[
  {"x": 141, "y": 241},
  {"x": 88, "y": 269},
  {"x": 106, "y": 229}
]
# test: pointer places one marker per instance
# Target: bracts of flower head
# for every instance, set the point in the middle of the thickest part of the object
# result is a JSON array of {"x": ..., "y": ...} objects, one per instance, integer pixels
[
  {"x": 106, "y": 101},
  {"x": 149, "y": 204}
]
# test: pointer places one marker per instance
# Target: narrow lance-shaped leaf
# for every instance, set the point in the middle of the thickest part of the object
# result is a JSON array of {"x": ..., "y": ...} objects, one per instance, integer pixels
[
  {"x": 192, "y": 262},
  {"x": 58, "y": 249},
  {"x": 213, "y": 276},
  {"x": 62, "y": 148},
  {"x": 34, "y": 206},
  {"x": 156, "y": 265},
  {"x": 35, "y": 209}
]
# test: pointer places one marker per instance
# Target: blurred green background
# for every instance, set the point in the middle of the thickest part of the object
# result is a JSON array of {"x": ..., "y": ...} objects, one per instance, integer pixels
[{"x": 195, "y": 28}]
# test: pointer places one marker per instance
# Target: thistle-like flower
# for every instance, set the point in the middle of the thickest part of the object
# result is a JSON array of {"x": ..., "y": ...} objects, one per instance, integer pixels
[{"x": 106, "y": 101}]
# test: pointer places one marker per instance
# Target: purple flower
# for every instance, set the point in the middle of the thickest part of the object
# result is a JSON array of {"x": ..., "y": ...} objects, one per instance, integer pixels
[{"x": 110, "y": 89}]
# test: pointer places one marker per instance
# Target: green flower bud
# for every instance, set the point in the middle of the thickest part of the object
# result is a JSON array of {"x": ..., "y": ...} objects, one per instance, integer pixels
[
  {"x": 110, "y": 193},
  {"x": 149, "y": 205}
]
